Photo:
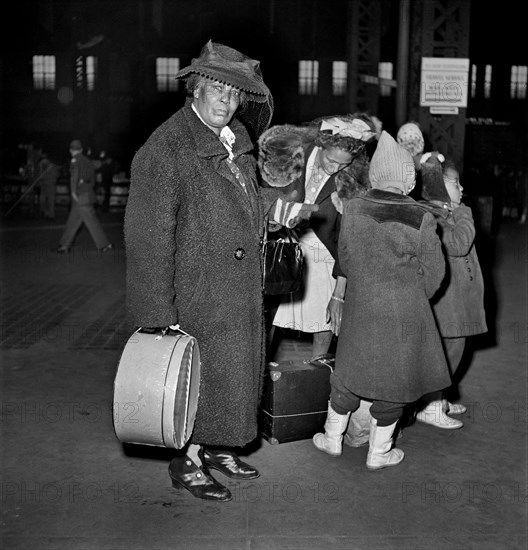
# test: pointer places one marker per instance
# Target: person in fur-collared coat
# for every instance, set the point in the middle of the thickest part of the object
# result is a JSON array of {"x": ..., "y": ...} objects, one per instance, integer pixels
[
  {"x": 389, "y": 349},
  {"x": 193, "y": 229},
  {"x": 313, "y": 162}
]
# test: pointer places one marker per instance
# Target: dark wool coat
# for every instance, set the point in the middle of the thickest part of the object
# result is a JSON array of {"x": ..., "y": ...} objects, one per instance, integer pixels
[
  {"x": 192, "y": 238},
  {"x": 389, "y": 348},
  {"x": 82, "y": 178},
  {"x": 458, "y": 304}
]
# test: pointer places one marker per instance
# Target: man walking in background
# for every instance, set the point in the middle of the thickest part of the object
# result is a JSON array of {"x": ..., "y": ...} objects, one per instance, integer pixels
[{"x": 82, "y": 179}]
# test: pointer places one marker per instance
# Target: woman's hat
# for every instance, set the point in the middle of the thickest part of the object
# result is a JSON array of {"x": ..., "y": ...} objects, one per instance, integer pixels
[
  {"x": 348, "y": 126},
  {"x": 349, "y": 132},
  {"x": 224, "y": 64}
]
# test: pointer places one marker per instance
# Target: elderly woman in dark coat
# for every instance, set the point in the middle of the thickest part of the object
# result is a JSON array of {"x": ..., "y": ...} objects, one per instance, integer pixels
[
  {"x": 389, "y": 349},
  {"x": 459, "y": 303},
  {"x": 193, "y": 225}
]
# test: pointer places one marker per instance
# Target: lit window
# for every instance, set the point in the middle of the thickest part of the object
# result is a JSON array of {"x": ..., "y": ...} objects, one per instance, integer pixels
[
  {"x": 166, "y": 68},
  {"x": 308, "y": 77},
  {"x": 473, "y": 80},
  {"x": 518, "y": 81},
  {"x": 385, "y": 72},
  {"x": 339, "y": 77},
  {"x": 44, "y": 72},
  {"x": 85, "y": 72},
  {"x": 91, "y": 72},
  {"x": 487, "y": 82}
]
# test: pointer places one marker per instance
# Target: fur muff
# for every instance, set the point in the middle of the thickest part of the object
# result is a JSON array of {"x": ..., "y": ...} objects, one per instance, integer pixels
[{"x": 281, "y": 154}]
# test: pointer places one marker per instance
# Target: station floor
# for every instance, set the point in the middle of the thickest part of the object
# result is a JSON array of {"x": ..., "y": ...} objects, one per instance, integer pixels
[{"x": 69, "y": 484}]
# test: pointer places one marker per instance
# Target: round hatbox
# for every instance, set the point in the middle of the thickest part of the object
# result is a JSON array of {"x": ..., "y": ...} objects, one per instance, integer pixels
[{"x": 156, "y": 389}]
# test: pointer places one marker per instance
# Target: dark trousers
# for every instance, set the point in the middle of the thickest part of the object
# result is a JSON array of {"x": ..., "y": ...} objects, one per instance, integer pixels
[
  {"x": 344, "y": 401},
  {"x": 47, "y": 199},
  {"x": 86, "y": 215}
]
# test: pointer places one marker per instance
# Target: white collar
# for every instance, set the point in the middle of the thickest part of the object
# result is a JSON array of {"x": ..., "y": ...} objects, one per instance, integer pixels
[{"x": 227, "y": 137}]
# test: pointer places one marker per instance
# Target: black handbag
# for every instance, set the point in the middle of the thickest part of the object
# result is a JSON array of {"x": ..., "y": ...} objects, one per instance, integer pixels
[{"x": 283, "y": 263}]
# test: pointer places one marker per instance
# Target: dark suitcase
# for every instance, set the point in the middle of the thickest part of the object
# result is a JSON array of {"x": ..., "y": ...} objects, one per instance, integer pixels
[{"x": 295, "y": 399}]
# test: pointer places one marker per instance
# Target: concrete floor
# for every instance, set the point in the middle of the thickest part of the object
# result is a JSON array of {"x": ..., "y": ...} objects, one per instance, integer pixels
[{"x": 68, "y": 483}]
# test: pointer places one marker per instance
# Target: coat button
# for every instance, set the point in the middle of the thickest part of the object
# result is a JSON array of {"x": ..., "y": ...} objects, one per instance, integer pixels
[
  {"x": 471, "y": 278},
  {"x": 469, "y": 270},
  {"x": 239, "y": 253}
]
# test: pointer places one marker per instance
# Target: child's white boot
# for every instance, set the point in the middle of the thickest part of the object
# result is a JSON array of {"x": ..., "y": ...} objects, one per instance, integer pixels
[
  {"x": 331, "y": 442},
  {"x": 381, "y": 454}
]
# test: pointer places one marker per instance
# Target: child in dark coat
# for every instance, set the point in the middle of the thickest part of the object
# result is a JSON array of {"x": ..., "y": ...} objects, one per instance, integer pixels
[
  {"x": 459, "y": 303},
  {"x": 389, "y": 350}
]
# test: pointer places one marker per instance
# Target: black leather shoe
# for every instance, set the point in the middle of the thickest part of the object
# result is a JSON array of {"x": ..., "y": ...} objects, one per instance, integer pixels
[
  {"x": 228, "y": 464},
  {"x": 198, "y": 481}
]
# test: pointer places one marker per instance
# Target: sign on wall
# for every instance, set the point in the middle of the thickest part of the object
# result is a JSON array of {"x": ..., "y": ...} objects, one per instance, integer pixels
[{"x": 444, "y": 84}]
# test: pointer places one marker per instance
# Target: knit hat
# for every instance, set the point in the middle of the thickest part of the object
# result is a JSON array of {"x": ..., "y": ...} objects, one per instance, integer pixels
[
  {"x": 411, "y": 138},
  {"x": 224, "y": 64},
  {"x": 433, "y": 187},
  {"x": 392, "y": 166}
]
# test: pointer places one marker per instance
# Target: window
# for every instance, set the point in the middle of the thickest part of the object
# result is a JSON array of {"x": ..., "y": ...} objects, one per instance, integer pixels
[
  {"x": 487, "y": 82},
  {"x": 339, "y": 77},
  {"x": 473, "y": 80},
  {"x": 518, "y": 81},
  {"x": 44, "y": 72},
  {"x": 91, "y": 71},
  {"x": 308, "y": 77},
  {"x": 166, "y": 68},
  {"x": 385, "y": 72},
  {"x": 85, "y": 72}
]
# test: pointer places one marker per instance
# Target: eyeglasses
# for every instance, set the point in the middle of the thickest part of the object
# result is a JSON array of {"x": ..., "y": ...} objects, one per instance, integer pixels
[{"x": 218, "y": 90}]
